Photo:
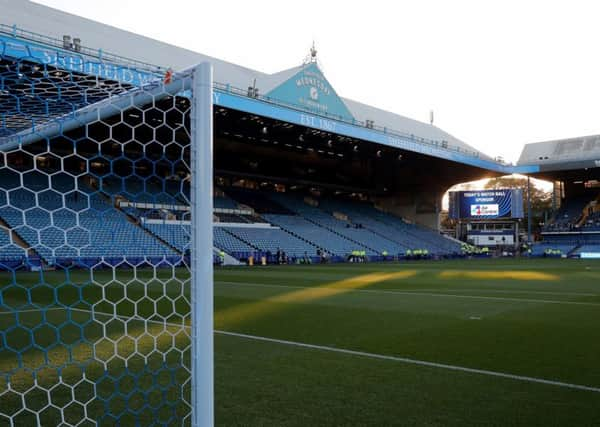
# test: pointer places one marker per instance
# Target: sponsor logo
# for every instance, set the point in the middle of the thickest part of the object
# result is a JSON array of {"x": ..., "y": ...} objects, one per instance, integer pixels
[{"x": 484, "y": 210}]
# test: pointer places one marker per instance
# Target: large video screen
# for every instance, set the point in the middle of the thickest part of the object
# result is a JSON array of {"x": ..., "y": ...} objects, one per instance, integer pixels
[{"x": 487, "y": 204}]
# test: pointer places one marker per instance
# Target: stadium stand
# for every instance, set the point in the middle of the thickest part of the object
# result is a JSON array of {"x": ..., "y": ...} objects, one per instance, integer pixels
[
  {"x": 175, "y": 235},
  {"x": 260, "y": 202},
  {"x": 574, "y": 229},
  {"x": 391, "y": 228},
  {"x": 592, "y": 222},
  {"x": 9, "y": 252},
  {"x": 569, "y": 243},
  {"x": 223, "y": 202},
  {"x": 300, "y": 233},
  {"x": 231, "y": 244},
  {"x": 101, "y": 214},
  {"x": 569, "y": 215},
  {"x": 346, "y": 240},
  {"x": 68, "y": 221},
  {"x": 232, "y": 218},
  {"x": 335, "y": 226},
  {"x": 118, "y": 205}
]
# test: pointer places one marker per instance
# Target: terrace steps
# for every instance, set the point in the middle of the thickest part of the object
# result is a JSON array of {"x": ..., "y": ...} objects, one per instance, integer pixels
[
  {"x": 239, "y": 238},
  {"x": 304, "y": 239},
  {"x": 361, "y": 244}
]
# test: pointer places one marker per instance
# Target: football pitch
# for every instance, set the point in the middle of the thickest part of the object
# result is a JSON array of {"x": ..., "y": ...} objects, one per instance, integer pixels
[{"x": 448, "y": 343}]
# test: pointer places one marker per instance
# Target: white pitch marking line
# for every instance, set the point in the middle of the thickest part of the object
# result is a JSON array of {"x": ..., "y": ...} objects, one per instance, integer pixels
[
  {"x": 414, "y": 362},
  {"x": 428, "y": 294},
  {"x": 353, "y": 352}
]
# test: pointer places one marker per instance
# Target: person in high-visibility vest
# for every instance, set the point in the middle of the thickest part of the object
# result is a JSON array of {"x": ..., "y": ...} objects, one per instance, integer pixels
[{"x": 222, "y": 257}]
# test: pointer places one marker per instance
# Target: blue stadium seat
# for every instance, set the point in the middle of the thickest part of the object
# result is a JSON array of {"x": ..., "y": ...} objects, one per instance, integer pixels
[{"x": 272, "y": 239}]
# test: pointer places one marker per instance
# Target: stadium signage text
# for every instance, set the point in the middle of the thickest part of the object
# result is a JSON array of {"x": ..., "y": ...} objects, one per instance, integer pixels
[
  {"x": 98, "y": 69},
  {"x": 484, "y": 196},
  {"x": 317, "y": 122},
  {"x": 75, "y": 63}
]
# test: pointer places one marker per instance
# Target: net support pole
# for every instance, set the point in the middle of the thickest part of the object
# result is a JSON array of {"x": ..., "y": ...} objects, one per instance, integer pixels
[
  {"x": 202, "y": 246},
  {"x": 528, "y": 209}
]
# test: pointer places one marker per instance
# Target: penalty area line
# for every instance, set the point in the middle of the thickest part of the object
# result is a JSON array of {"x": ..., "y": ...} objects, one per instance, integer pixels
[{"x": 417, "y": 362}]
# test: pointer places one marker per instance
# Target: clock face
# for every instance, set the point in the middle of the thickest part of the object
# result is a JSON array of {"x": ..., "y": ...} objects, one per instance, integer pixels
[{"x": 314, "y": 93}]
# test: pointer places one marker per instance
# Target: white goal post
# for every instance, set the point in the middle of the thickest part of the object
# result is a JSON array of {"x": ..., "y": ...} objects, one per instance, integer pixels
[{"x": 202, "y": 247}]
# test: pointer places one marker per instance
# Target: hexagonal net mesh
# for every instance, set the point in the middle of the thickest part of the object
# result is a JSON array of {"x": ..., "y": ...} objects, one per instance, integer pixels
[{"x": 94, "y": 251}]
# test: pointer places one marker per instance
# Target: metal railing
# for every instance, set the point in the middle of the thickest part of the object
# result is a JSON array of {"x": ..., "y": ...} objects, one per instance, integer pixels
[
  {"x": 441, "y": 144},
  {"x": 102, "y": 56}
]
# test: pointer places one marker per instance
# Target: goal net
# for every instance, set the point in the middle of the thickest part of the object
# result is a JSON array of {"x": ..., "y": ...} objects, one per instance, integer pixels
[{"x": 105, "y": 247}]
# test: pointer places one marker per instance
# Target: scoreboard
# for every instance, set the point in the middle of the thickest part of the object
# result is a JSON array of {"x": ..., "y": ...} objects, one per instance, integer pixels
[{"x": 487, "y": 204}]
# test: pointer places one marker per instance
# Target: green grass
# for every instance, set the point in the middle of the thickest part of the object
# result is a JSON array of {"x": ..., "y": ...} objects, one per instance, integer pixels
[{"x": 542, "y": 322}]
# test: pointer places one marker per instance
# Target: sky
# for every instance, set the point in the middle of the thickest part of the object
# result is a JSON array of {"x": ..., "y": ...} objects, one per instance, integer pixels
[{"x": 497, "y": 74}]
